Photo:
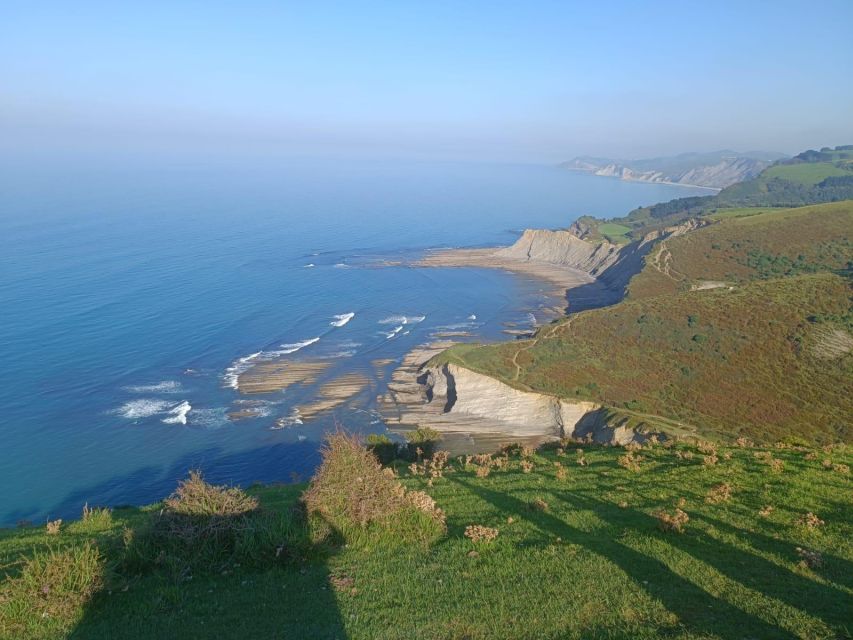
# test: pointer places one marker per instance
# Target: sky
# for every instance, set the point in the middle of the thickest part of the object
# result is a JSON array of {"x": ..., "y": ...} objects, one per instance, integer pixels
[{"x": 494, "y": 81}]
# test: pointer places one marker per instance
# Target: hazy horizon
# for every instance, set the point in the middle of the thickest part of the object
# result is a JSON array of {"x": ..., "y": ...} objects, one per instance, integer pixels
[{"x": 484, "y": 82}]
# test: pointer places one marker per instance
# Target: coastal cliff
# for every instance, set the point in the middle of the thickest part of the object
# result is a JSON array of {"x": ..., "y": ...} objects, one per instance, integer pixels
[
  {"x": 462, "y": 392},
  {"x": 716, "y": 170},
  {"x": 453, "y": 399}
]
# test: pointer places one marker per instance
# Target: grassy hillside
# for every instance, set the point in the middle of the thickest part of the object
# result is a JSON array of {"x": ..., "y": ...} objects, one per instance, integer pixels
[
  {"x": 757, "y": 360},
  {"x": 743, "y": 327},
  {"x": 812, "y": 177},
  {"x": 768, "y": 244},
  {"x": 665, "y": 542}
]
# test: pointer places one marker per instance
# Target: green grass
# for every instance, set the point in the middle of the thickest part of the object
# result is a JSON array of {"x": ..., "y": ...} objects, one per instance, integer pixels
[
  {"x": 741, "y": 212},
  {"x": 810, "y": 239},
  {"x": 615, "y": 233},
  {"x": 807, "y": 173},
  {"x": 578, "y": 557},
  {"x": 746, "y": 361}
]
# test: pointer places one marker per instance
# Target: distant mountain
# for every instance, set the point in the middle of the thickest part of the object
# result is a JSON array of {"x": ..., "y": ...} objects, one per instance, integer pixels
[{"x": 716, "y": 170}]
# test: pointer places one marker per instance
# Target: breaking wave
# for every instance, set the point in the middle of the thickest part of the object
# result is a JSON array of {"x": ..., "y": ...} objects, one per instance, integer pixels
[
  {"x": 241, "y": 365},
  {"x": 342, "y": 319},
  {"x": 178, "y": 414}
]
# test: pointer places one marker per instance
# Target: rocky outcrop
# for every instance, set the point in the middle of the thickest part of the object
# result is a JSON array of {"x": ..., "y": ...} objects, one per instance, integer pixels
[
  {"x": 610, "y": 264},
  {"x": 455, "y": 400},
  {"x": 483, "y": 400}
]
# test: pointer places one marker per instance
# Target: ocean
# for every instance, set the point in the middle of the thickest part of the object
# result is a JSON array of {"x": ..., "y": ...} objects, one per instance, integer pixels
[{"x": 135, "y": 291}]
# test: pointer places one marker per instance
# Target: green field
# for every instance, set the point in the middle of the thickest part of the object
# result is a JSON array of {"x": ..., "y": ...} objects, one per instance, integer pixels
[
  {"x": 806, "y": 173},
  {"x": 580, "y": 553},
  {"x": 615, "y": 233}
]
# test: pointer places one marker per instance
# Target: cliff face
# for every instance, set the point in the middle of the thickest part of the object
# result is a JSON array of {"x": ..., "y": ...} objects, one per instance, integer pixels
[
  {"x": 483, "y": 400},
  {"x": 612, "y": 265}
]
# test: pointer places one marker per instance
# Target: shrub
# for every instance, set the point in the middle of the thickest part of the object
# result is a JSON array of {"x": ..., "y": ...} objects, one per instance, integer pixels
[
  {"x": 382, "y": 447},
  {"x": 630, "y": 461},
  {"x": 50, "y": 591},
  {"x": 673, "y": 522},
  {"x": 422, "y": 442},
  {"x": 195, "y": 497},
  {"x": 479, "y": 533},
  {"x": 203, "y": 526},
  {"x": 350, "y": 492}
]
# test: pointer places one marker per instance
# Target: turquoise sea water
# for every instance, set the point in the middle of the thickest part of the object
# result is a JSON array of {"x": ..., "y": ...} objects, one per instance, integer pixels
[{"x": 131, "y": 291}]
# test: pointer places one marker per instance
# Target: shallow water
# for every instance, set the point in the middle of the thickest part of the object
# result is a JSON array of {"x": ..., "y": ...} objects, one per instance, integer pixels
[{"x": 133, "y": 291}]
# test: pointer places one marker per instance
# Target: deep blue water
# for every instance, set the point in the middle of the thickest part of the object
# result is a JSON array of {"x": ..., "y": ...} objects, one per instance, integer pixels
[{"x": 128, "y": 288}]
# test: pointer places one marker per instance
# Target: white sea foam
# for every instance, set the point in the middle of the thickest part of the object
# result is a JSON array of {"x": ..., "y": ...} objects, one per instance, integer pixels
[
  {"x": 288, "y": 348},
  {"x": 393, "y": 333},
  {"x": 210, "y": 418},
  {"x": 402, "y": 319},
  {"x": 342, "y": 319},
  {"x": 143, "y": 408},
  {"x": 178, "y": 414},
  {"x": 308, "y": 266},
  {"x": 341, "y": 265},
  {"x": 232, "y": 374},
  {"x": 166, "y": 386},
  {"x": 240, "y": 365},
  {"x": 288, "y": 421},
  {"x": 472, "y": 317}
]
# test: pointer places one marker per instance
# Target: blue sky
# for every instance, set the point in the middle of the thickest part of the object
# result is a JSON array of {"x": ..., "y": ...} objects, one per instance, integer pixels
[{"x": 505, "y": 81}]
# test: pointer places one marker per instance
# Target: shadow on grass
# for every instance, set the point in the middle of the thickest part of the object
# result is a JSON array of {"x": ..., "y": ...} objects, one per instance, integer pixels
[
  {"x": 168, "y": 589},
  {"x": 694, "y": 606}
]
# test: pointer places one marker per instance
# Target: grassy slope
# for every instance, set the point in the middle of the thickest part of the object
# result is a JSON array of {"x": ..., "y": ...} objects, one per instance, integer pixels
[
  {"x": 724, "y": 362},
  {"x": 593, "y": 565},
  {"x": 771, "y": 243},
  {"x": 805, "y": 173}
]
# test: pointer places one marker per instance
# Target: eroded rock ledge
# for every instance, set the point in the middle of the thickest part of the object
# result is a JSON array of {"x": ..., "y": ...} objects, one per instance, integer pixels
[{"x": 453, "y": 399}]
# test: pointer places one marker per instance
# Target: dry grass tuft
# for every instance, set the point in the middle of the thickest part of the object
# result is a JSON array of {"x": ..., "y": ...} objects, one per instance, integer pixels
[
  {"x": 673, "y": 522},
  {"x": 766, "y": 510},
  {"x": 52, "y": 528},
  {"x": 841, "y": 468},
  {"x": 526, "y": 466},
  {"x": 479, "y": 533},
  {"x": 538, "y": 504},
  {"x": 719, "y": 493},
  {"x": 809, "y": 558},
  {"x": 630, "y": 461},
  {"x": 810, "y": 521}
]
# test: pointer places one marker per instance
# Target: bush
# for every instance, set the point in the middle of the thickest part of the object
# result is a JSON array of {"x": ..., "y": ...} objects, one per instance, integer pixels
[
  {"x": 205, "y": 527},
  {"x": 423, "y": 440},
  {"x": 350, "y": 492},
  {"x": 48, "y": 596},
  {"x": 195, "y": 497},
  {"x": 385, "y": 449}
]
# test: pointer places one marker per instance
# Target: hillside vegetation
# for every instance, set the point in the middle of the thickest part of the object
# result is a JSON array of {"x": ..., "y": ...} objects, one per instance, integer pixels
[
  {"x": 575, "y": 541},
  {"x": 812, "y": 177},
  {"x": 741, "y": 328}
]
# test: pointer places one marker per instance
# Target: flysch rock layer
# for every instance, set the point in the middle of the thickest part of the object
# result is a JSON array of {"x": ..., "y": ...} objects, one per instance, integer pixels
[{"x": 453, "y": 399}]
